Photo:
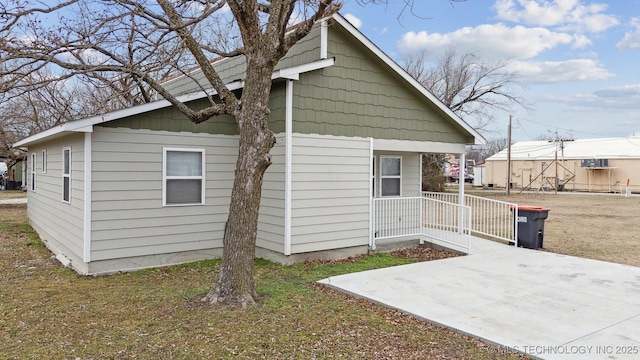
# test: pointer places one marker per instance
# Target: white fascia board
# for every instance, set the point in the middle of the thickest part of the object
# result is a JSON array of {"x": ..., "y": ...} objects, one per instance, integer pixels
[{"x": 479, "y": 139}]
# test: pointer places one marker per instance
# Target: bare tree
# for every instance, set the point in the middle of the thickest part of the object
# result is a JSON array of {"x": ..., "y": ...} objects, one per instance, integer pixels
[
  {"x": 470, "y": 87},
  {"x": 491, "y": 147},
  {"x": 466, "y": 84},
  {"x": 86, "y": 40},
  {"x": 42, "y": 101}
]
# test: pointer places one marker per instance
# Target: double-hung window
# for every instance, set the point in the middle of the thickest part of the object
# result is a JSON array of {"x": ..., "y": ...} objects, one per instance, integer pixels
[
  {"x": 183, "y": 176},
  {"x": 66, "y": 174},
  {"x": 390, "y": 175},
  {"x": 33, "y": 172}
]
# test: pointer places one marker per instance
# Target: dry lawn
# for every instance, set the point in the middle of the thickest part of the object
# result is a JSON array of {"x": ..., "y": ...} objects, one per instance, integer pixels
[
  {"x": 49, "y": 312},
  {"x": 12, "y": 194},
  {"x": 595, "y": 226}
]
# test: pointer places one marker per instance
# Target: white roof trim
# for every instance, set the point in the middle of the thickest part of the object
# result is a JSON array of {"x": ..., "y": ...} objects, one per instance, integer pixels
[
  {"x": 479, "y": 139},
  {"x": 293, "y": 73},
  {"x": 86, "y": 124}
]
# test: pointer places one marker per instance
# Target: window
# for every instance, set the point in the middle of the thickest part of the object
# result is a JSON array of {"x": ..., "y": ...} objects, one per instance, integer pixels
[
  {"x": 66, "y": 174},
  {"x": 33, "y": 172},
  {"x": 390, "y": 175},
  {"x": 183, "y": 176},
  {"x": 44, "y": 161}
]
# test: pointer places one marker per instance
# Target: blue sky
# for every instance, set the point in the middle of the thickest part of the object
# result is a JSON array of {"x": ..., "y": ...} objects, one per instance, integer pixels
[{"x": 579, "y": 60}]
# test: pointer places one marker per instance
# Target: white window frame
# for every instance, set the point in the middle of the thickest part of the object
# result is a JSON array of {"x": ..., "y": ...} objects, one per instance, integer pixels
[
  {"x": 165, "y": 177},
  {"x": 66, "y": 175},
  {"x": 34, "y": 161},
  {"x": 383, "y": 177},
  {"x": 44, "y": 161}
]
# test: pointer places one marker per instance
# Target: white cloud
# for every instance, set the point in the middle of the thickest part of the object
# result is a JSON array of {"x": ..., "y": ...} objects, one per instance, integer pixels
[
  {"x": 497, "y": 41},
  {"x": 631, "y": 39},
  {"x": 559, "y": 71},
  {"x": 88, "y": 56},
  {"x": 565, "y": 14},
  {"x": 354, "y": 20},
  {"x": 624, "y": 91},
  {"x": 623, "y": 98}
]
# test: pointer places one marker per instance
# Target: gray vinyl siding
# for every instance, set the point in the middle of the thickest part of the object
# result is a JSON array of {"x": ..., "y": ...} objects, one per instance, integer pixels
[
  {"x": 128, "y": 216},
  {"x": 61, "y": 224},
  {"x": 361, "y": 96},
  {"x": 330, "y": 193},
  {"x": 271, "y": 218}
]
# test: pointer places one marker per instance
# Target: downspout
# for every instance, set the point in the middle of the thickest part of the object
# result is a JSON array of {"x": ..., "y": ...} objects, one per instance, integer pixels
[
  {"x": 288, "y": 160},
  {"x": 372, "y": 238},
  {"x": 86, "y": 254}
]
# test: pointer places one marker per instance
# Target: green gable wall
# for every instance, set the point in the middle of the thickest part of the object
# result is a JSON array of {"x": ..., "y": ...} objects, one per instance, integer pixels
[
  {"x": 362, "y": 96},
  {"x": 170, "y": 119}
]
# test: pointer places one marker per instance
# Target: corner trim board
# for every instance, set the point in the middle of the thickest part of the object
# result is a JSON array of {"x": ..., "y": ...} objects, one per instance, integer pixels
[
  {"x": 287, "y": 166},
  {"x": 86, "y": 254}
]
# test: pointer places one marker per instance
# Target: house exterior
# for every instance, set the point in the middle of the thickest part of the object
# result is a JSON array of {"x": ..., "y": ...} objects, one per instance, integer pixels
[
  {"x": 596, "y": 165},
  {"x": 144, "y": 187}
]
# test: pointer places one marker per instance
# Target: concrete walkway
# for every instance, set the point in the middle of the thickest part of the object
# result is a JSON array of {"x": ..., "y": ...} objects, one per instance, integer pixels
[
  {"x": 547, "y": 305},
  {"x": 14, "y": 201}
]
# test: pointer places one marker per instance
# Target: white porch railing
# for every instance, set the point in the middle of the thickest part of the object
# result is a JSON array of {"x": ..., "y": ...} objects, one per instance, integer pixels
[
  {"x": 491, "y": 218},
  {"x": 396, "y": 217},
  {"x": 445, "y": 223}
]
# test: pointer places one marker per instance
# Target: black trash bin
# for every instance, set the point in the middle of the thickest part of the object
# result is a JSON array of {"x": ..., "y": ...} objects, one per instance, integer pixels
[{"x": 530, "y": 222}]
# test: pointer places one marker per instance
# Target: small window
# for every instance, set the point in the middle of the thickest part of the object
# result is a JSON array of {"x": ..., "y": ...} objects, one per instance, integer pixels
[
  {"x": 390, "y": 175},
  {"x": 44, "y": 161},
  {"x": 33, "y": 172},
  {"x": 183, "y": 174},
  {"x": 66, "y": 174}
]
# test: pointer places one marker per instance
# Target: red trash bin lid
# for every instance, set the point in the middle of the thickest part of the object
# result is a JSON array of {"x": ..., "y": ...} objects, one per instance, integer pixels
[{"x": 529, "y": 208}]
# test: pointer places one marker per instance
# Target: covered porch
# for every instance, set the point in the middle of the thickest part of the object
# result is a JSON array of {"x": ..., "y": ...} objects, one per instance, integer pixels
[{"x": 400, "y": 210}]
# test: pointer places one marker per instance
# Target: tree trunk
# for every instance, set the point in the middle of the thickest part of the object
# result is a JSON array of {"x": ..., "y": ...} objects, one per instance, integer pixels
[{"x": 235, "y": 285}]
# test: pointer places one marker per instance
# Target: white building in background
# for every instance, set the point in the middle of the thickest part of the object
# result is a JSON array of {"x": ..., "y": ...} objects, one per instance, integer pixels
[{"x": 598, "y": 165}]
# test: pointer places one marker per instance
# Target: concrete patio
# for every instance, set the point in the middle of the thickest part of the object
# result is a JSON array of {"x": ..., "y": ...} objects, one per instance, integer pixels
[{"x": 546, "y": 305}]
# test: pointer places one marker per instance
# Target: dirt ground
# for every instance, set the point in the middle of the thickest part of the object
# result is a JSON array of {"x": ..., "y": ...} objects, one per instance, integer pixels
[{"x": 596, "y": 226}]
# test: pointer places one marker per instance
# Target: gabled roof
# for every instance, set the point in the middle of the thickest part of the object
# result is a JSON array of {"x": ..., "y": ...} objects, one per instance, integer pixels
[
  {"x": 86, "y": 125},
  {"x": 600, "y": 148}
]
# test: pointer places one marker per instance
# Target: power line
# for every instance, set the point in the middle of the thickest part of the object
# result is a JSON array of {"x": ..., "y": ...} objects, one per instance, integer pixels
[{"x": 560, "y": 128}]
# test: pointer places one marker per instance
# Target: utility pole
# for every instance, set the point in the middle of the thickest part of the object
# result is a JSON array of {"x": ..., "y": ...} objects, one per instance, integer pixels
[
  {"x": 555, "y": 191},
  {"x": 509, "y": 158}
]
